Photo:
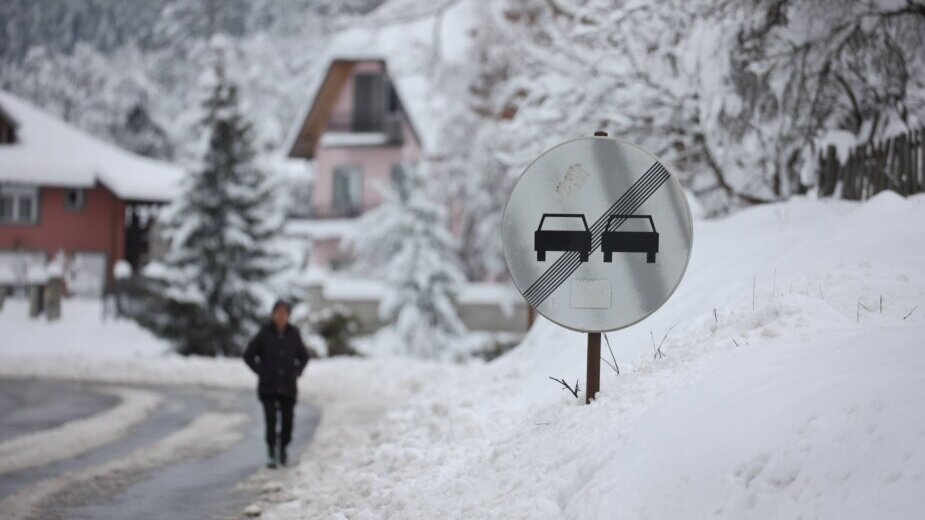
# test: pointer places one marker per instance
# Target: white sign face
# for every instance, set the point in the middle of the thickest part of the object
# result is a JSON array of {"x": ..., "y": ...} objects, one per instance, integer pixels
[{"x": 597, "y": 234}]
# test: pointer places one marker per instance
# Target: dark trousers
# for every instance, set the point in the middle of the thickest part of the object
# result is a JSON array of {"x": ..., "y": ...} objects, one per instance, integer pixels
[{"x": 282, "y": 404}]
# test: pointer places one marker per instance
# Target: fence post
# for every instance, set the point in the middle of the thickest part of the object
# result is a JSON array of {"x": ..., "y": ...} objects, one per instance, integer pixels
[
  {"x": 882, "y": 164},
  {"x": 830, "y": 172},
  {"x": 36, "y": 299},
  {"x": 902, "y": 165},
  {"x": 873, "y": 160},
  {"x": 913, "y": 162},
  {"x": 820, "y": 175},
  {"x": 849, "y": 182},
  {"x": 54, "y": 290},
  {"x": 910, "y": 164},
  {"x": 893, "y": 171}
]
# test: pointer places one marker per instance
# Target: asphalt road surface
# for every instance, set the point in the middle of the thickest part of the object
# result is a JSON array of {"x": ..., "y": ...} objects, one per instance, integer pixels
[{"x": 198, "y": 455}]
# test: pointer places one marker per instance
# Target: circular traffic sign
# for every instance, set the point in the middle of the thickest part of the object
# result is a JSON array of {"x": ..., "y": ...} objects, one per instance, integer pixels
[{"x": 597, "y": 234}]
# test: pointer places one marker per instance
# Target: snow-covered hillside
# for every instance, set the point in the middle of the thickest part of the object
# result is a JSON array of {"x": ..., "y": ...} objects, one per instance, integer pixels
[
  {"x": 786, "y": 390},
  {"x": 775, "y": 398}
]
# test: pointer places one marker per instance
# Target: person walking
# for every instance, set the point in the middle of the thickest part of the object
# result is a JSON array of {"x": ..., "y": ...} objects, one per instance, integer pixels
[{"x": 278, "y": 356}]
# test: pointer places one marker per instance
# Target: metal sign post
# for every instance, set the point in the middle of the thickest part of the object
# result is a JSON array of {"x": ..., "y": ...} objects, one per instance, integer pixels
[
  {"x": 597, "y": 235},
  {"x": 593, "y": 374},
  {"x": 593, "y": 368}
]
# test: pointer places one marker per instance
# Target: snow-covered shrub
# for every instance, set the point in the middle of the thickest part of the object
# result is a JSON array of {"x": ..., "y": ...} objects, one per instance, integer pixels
[{"x": 336, "y": 325}]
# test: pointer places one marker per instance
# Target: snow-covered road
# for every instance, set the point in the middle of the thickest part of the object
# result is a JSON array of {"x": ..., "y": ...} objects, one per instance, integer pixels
[{"x": 160, "y": 452}]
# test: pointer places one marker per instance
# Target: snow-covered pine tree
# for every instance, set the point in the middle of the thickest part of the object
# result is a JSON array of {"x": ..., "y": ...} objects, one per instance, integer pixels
[
  {"x": 220, "y": 231},
  {"x": 407, "y": 242}
]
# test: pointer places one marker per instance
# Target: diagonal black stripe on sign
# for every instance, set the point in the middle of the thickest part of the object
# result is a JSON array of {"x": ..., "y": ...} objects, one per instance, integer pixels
[
  {"x": 568, "y": 263},
  {"x": 554, "y": 277},
  {"x": 641, "y": 190},
  {"x": 627, "y": 204},
  {"x": 636, "y": 190},
  {"x": 563, "y": 262}
]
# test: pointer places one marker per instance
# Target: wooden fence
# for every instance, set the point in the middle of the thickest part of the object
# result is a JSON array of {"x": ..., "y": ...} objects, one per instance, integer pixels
[{"x": 892, "y": 164}]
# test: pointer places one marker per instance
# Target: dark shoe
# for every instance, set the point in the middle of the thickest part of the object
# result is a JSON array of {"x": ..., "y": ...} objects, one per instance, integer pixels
[
  {"x": 271, "y": 457},
  {"x": 282, "y": 456}
]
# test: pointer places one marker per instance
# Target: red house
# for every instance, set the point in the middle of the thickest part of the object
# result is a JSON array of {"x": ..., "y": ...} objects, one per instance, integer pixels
[{"x": 62, "y": 190}]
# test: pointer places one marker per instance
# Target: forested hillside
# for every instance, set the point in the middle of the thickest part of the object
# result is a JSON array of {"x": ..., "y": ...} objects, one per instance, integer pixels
[
  {"x": 129, "y": 71},
  {"x": 739, "y": 97}
]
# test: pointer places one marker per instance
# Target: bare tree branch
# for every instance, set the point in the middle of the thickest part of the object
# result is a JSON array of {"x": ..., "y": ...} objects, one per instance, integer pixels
[{"x": 562, "y": 382}]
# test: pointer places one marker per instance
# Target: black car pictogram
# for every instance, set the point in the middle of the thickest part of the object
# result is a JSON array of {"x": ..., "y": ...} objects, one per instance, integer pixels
[
  {"x": 556, "y": 240},
  {"x": 629, "y": 241}
]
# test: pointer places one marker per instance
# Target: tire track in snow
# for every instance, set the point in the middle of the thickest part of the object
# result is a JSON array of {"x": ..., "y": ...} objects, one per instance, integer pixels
[
  {"x": 209, "y": 433},
  {"x": 79, "y": 436}
]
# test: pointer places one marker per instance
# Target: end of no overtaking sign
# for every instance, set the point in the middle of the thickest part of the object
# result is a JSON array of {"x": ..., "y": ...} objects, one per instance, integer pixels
[{"x": 597, "y": 235}]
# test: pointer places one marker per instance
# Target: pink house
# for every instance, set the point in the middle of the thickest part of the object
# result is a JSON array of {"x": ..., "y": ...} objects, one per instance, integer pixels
[{"x": 360, "y": 137}]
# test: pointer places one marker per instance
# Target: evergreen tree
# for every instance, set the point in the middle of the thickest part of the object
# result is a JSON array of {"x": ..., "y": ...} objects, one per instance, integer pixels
[
  {"x": 406, "y": 241},
  {"x": 220, "y": 231},
  {"x": 141, "y": 134}
]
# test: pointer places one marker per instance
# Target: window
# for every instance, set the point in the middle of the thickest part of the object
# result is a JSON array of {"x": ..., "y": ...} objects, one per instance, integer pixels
[
  {"x": 19, "y": 204},
  {"x": 25, "y": 209},
  {"x": 399, "y": 180},
  {"x": 369, "y": 102},
  {"x": 74, "y": 199},
  {"x": 348, "y": 190}
]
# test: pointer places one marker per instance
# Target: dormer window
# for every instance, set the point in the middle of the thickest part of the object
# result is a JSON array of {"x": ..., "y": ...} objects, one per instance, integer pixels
[{"x": 369, "y": 102}]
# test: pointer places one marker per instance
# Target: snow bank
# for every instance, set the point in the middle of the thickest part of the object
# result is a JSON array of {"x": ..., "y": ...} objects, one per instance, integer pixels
[
  {"x": 80, "y": 318},
  {"x": 79, "y": 436},
  {"x": 82, "y": 346},
  {"x": 785, "y": 391},
  {"x": 170, "y": 370}
]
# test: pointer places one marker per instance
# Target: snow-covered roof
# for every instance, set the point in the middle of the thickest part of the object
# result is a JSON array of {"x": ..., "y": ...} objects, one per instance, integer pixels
[
  {"x": 398, "y": 45},
  {"x": 49, "y": 151}
]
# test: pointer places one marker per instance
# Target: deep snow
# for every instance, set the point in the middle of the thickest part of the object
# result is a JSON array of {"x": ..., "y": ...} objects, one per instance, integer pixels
[
  {"x": 778, "y": 396},
  {"x": 817, "y": 413}
]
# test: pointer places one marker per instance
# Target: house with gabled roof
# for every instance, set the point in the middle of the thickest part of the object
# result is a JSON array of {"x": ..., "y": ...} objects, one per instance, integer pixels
[
  {"x": 360, "y": 136},
  {"x": 63, "y": 190},
  {"x": 360, "y": 133}
]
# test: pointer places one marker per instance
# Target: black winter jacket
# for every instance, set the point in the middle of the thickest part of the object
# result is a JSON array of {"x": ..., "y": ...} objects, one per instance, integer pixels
[{"x": 278, "y": 358}]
